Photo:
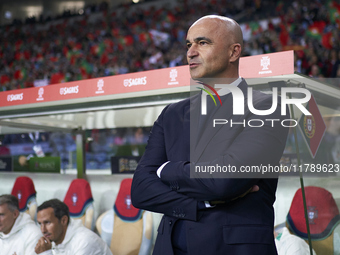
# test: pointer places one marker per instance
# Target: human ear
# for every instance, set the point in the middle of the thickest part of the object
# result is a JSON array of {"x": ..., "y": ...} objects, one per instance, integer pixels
[
  {"x": 64, "y": 220},
  {"x": 16, "y": 214},
  {"x": 236, "y": 50}
]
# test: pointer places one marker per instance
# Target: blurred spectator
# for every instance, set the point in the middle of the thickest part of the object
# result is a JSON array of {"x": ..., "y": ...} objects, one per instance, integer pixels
[
  {"x": 103, "y": 42},
  {"x": 62, "y": 145},
  {"x": 136, "y": 141}
]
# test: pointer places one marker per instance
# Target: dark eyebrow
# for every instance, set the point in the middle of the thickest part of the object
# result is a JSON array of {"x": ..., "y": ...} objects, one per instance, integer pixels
[{"x": 202, "y": 38}]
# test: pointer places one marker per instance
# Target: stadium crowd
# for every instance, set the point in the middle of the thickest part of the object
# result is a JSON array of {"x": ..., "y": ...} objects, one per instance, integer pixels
[{"x": 102, "y": 41}]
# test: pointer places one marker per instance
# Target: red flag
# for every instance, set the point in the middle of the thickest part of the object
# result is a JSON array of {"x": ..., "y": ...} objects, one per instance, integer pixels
[
  {"x": 39, "y": 57},
  {"x": 104, "y": 59},
  {"x": 20, "y": 74},
  {"x": 312, "y": 126},
  {"x": 27, "y": 54},
  {"x": 54, "y": 59},
  {"x": 129, "y": 40},
  {"x": 284, "y": 35},
  {"x": 327, "y": 40},
  {"x": 18, "y": 55},
  {"x": 57, "y": 78},
  {"x": 316, "y": 30},
  {"x": 65, "y": 51},
  {"x": 4, "y": 79},
  {"x": 18, "y": 44}
]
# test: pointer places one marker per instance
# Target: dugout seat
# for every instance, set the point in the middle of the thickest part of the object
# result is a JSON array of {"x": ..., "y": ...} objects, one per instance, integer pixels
[
  {"x": 323, "y": 217},
  {"x": 80, "y": 202},
  {"x": 126, "y": 229},
  {"x": 24, "y": 190}
]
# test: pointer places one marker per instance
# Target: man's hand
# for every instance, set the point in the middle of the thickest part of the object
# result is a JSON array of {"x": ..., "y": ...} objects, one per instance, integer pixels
[
  {"x": 43, "y": 244},
  {"x": 255, "y": 188}
]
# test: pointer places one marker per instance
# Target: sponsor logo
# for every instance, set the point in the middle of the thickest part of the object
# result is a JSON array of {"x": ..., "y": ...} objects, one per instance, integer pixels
[
  {"x": 265, "y": 62},
  {"x": 49, "y": 166},
  {"x": 15, "y": 97},
  {"x": 40, "y": 94},
  {"x": 100, "y": 85},
  {"x": 69, "y": 90},
  {"x": 173, "y": 76},
  {"x": 135, "y": 82}
]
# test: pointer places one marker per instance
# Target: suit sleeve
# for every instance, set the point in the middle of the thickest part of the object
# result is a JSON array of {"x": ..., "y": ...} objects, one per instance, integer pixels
[
  {"x": 254, "y": 146},
  {"x": 148, "y": 191}
]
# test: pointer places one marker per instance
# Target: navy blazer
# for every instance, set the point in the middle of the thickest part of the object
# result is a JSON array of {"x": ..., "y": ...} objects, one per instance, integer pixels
[{"x": 238, "y": 226}]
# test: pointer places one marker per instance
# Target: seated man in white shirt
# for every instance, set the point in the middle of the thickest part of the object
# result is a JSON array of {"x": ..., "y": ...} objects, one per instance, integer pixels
[
  {"x": 65, "y": 236},
  {"x": 18, "y": 233},
  {"x": 288, "y": 244}
]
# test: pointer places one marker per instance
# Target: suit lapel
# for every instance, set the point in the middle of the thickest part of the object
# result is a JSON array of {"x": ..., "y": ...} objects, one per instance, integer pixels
[
  {"x": 203, "y": 133},
  {"x": 192, "y": 115}
]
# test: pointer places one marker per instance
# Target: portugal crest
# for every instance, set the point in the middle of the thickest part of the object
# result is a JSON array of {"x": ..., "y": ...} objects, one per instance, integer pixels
[{"x": 309, "y": 126}]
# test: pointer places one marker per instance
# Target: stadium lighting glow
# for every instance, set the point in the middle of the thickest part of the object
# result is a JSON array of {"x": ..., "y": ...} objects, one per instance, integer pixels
[
  {"x": 135, "y": 1},
  {"x": 33, "y": 11},
  {"x": 8, "y": 15}
]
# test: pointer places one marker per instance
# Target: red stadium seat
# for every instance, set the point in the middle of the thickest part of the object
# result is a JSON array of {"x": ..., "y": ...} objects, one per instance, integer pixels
[
  {"x": 323, "y": 217},
  {"x": 24, "y": 190},
  {"x": 80, "y": 202},
  {"x": 126, "y": 229}
]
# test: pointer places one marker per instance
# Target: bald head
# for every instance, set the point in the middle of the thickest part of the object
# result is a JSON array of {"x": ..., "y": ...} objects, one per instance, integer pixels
[
  {"x": 214, "y": 47},
  {"x": 229, "y": 26}
]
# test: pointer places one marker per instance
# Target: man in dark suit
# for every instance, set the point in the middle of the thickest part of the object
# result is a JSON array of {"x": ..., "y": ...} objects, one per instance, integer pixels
[{"x": 215, "y": 213}]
